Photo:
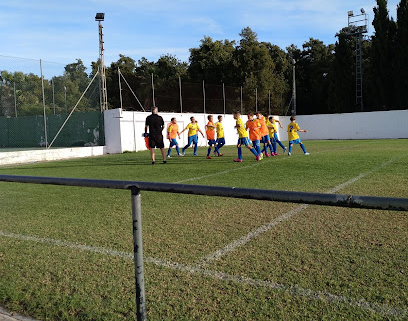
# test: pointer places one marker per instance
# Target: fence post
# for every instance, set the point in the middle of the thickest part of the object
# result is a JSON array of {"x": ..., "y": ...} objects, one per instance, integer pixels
[
  {"x": 44, "y": 113},
  {"x": 138, "y": 254},
  {"x": 181, "y": 97},
  {"x": 204, "y": 95}
]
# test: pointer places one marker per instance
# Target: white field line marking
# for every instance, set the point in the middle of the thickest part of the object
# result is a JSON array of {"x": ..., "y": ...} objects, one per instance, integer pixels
[
  {"x": 265, "y": 228},
  {"x": 293, "y": 290},
  {"x": 277, "y": 158}
]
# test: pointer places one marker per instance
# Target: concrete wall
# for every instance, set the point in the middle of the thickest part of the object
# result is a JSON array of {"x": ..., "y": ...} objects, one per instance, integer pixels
[
  {"x": 41, "y": 155},
  {"x": 371, "y": 125},
  {"x": 124, "y": 129}
]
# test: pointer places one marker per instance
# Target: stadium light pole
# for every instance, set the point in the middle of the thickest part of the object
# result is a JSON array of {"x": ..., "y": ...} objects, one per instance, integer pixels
[
  {"x": 294, "y": 89},
  {"x": 104, "y": 97}
]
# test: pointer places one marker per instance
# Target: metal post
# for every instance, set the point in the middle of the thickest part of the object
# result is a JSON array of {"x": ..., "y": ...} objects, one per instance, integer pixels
[
  {"x": 154, "y": 103},
  {"x": 256, "y": 99},
  {"x": 269, "y": 101},
  {"x": 241, "y": 102},
  {"x": 223, "y": 95},
  {"x": 294, "y": 89},
  {"x": 53, "y": 95},
  {"x": 204, "y": 95},
  {"x": 120, "y": 90},
  {"x": 43, "y": 96},
  {"x": 181, "y": 97},
  {"x": 15, "y": 99},
  {"x": 138, "y": 254},
  {"x": 104, "y": 95},
  {"x": 65, "y": 94}
]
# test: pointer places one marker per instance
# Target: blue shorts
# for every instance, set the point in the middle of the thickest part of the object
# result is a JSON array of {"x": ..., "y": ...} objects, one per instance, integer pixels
[
  {"x": 243, "y": 141},
  {"x": 265, "y": 139},
  {"x": 173, "y": 142},
  {"x": 192, "y": 139},
  {"x": 295, "y": 142},
  {"x": 212, "y": 142},
  {"x": 255, "y": 142},
  {"x": 275, "y": 135},
  {"x": 221, "y": 141}
]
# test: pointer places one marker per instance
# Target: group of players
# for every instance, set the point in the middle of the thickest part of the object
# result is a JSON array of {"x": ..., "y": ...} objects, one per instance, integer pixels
[{"x": 258, "y": 130}]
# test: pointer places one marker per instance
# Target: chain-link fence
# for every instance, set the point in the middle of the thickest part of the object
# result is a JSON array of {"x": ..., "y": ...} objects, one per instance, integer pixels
[
  {"x": 183, "y": 96},
  {"x": 36, "y": 97}
]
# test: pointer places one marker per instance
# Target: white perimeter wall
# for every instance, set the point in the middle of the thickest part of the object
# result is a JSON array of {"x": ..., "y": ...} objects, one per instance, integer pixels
[
  {"x": 124, "y": 129},
  {"x": 371, "y": 125}
]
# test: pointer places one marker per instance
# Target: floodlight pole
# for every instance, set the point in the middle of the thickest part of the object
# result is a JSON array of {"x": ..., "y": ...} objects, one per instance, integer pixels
[
  {"x": 102, "y": 70},
  {"x": 357, "y": 26}
]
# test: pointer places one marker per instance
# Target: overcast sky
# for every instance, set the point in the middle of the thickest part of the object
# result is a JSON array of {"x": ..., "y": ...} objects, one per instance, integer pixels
[{"x": 62, "y": 31}]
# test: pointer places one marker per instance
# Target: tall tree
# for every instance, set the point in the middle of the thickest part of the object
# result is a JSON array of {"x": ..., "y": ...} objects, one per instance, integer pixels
[
  {"x": 381, "y": 54},
  {"x": 401, "y": 55}
]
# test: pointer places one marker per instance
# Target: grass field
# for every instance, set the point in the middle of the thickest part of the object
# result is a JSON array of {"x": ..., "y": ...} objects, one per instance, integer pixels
[{"x": 66, "y": 252}]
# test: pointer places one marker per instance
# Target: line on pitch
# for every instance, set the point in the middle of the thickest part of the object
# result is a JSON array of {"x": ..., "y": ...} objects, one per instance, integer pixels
[
  {"x": 253, "y": 165},
  {"x": 293, "y": 290},
  {"x": 267, "y": 227}
]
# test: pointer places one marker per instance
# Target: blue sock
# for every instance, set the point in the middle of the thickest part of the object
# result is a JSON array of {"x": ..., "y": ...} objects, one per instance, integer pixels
[
  {"x": 254, "y": 151},
  {"x": 217, "y": 150},
  {"x": 168, "y": 152},
  {"x": 258, "y": 149},
  {"x": 239, "y": 152},
  {"x": 270, "y": 148},
  {"x": 290, "y": 148},
  {"x": 178, "y": 150},
  {"x": 209, "y": 151},
  {"x": 195, "y": 148},
  {"x": 280, "y": 144},
  {"x": 303, "y": 148},
  {"x": 274, "y": 147}
]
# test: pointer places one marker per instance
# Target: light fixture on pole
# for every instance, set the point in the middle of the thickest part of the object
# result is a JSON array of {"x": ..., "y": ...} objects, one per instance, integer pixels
[
  {"x": 103, "y": 96},
  {"x": 357, "y": 26}
]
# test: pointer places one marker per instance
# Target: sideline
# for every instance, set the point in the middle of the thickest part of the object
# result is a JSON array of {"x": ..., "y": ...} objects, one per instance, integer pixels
[
  {"x": 293, "y": 290},
  {"x": 267, "y": 227}
]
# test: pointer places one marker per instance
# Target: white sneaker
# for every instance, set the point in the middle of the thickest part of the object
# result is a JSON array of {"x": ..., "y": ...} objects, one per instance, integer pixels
[
  {"x": 289, "y": 154},
  {"x": 307, "y": 154},
  {"x": 180, "y": 155},
  {"x": 168, "y": 156}
]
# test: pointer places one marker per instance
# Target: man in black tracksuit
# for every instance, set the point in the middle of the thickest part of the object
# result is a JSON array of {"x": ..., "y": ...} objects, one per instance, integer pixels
[{"x": 155, "y": 124}]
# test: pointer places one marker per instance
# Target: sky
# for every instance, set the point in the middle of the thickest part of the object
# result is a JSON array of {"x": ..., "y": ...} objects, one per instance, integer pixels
[{"x": 63, "y": 31}]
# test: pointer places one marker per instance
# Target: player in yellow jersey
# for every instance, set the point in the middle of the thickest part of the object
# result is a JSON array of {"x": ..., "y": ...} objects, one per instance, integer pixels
[
  {"x": 272, "y": 130},
  {"x": 192, "y": 135},
  {"x": 293, "y": 136},
  {"x": 172, "y": 133},
  {"x": 243, "y": 138},
  {"x": 220, "y": 133},
  {"x": 274, "y": 121}
]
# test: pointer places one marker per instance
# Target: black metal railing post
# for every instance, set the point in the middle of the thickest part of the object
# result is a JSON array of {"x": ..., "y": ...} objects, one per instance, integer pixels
[{"x": 138, "y": 254}]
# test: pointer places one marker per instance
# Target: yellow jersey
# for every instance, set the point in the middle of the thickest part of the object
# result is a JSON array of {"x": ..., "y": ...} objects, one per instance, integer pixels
[
  {"x": 292, "y": 131},
  {"x": 220, "y": 130},
  {"x": 192, "y": 129},
  {"x": 272, "y": 129},
  {"x": 242, "y": 133}
]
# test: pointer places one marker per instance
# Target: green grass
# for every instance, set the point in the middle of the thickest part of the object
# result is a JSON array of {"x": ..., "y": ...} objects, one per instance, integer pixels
[{"x": 323, "y": 263}]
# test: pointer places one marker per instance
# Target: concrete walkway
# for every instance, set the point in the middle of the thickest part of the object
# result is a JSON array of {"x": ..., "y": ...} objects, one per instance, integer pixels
[{"x": 9, "y": 316}]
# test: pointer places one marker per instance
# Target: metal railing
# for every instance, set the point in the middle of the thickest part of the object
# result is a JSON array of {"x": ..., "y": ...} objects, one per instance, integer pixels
[{"x": 351, "y": 201}]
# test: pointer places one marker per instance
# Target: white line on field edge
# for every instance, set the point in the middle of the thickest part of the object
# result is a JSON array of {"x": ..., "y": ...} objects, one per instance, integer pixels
[
  {"x": 265, "y": 228},
  {"x": 293, "y": 290},
  {"x": 281, "y": 157}
]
